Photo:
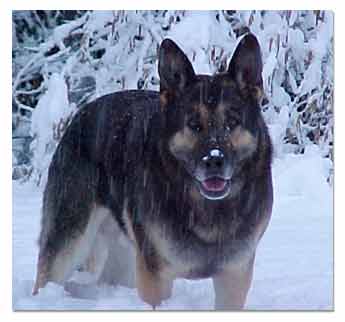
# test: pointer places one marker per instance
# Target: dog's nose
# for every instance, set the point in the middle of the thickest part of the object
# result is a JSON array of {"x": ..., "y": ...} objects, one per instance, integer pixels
[{"x": 214, "y": 160}]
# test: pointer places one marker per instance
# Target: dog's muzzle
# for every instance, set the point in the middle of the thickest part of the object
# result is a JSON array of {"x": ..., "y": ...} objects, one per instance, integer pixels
[{"x": 213, "y": 175}]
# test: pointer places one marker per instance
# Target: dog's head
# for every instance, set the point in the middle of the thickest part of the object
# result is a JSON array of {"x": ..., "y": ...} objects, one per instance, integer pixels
[{"x": 211, "y": 121}]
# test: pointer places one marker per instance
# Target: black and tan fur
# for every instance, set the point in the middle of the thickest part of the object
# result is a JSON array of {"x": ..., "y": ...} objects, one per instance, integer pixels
[{"x": 143, "y": 166}]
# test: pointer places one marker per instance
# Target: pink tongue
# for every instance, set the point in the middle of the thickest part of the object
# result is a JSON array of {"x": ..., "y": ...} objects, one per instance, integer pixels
[{"x": 214, "y": 184}]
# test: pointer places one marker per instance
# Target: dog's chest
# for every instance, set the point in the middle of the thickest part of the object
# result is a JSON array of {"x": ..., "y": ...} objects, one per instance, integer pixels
[
  {"x": 179, "y": 258},
  {"x": 190, "y": 256}
]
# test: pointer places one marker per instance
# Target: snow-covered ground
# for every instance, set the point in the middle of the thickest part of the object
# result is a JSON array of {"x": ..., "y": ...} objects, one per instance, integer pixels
[{"x": 294, "y": 263}]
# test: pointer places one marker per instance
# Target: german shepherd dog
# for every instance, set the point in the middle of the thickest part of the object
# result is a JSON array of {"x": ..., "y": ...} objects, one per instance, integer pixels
[{"x": 184, "y": 174}]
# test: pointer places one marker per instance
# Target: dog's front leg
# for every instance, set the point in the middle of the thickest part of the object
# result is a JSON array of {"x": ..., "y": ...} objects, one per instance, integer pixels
[
  {"x": 231, "y": 286},
  {"x": 152, "y": 287}
]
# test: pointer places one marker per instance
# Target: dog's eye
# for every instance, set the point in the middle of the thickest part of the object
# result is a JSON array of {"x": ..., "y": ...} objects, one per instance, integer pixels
[
  {"x": 232, "y": 123},
  {"x": 194, "y": 125}
]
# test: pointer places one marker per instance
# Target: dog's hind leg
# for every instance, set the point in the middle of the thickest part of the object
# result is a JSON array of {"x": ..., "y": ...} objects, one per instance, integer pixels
[
  {"x": 119, "y": 264},
  {"x": 98, "y": 256},
  {"x": 71, "y": 217},
  {"x": 59, "y": 267}
]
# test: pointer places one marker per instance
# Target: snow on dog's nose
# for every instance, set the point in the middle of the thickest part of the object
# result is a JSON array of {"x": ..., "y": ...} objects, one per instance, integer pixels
[{"x": 214, "y": 160}]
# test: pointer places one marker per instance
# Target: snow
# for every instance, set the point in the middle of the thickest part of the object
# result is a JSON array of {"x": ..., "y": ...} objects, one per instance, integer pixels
[
  {"x": 293, "y": 268},
  {"x": 61, "y": 31},
  {"x": 99, "y": 19},
  {"x": 52, "y": 108},
  {"x": 202, "y": 34},
  {"x": 280, "y": 97}
]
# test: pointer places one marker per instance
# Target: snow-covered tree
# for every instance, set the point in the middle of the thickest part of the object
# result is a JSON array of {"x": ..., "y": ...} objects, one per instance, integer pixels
[{"x": 63, "y": 59}]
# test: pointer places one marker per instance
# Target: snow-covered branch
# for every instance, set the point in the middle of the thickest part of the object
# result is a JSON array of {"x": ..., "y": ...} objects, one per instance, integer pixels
[{"x": 97, "y": 52}]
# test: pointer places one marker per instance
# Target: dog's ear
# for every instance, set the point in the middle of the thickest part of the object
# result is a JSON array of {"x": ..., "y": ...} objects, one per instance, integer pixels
[
  {"x": 175, "y": 70},
  {"x": 246, "y": 66}
]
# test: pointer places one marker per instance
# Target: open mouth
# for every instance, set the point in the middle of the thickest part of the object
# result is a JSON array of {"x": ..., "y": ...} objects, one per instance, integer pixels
[
  {"x": 214, "y": 184},
  {"x": 214, "y": 188}
]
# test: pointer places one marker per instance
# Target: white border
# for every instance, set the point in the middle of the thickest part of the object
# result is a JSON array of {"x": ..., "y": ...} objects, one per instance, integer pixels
[{"x": 6, "y": 6}]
